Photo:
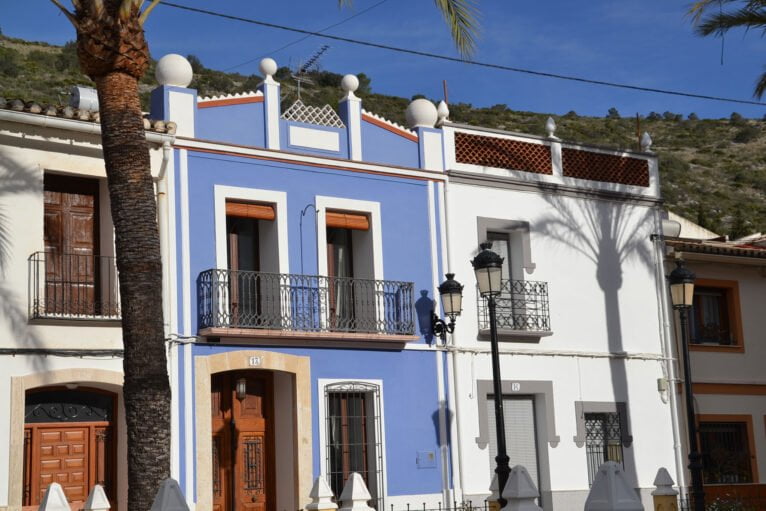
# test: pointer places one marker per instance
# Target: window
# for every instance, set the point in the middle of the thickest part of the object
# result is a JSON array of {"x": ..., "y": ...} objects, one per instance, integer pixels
[
  {"x": 726, "y": 447},
  {"x": 714, "y": 318},
  {"x": 353, "y": 436},
  {"x": 253, "y": 296},
  {"x": 603, "y": 441},
  {"x": 520, "y": 433}
]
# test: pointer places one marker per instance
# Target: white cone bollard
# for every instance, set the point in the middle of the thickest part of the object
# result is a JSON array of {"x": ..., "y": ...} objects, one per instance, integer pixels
[
  {"x": 355, "y": 494},
  {"x": 169, "y": 497},
  {"x": 494, "y": 497},
  {"x": 321, "y": 496},
  {"x": 520, "y": 491},
  {"x": 54, "y": 499},
  {"x": 97, "y": 500},
  {"x": 665, "y": 496},
  {"x": 611, "y": 491}
]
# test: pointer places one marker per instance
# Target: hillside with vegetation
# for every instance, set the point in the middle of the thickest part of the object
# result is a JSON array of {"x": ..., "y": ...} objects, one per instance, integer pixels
[{"x": 713, "y": 171}]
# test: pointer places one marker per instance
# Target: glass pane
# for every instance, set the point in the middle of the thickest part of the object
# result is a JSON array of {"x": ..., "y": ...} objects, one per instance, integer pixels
[
  {"x": 501, "y": 246},
  {"x": 725, "y": 453}
]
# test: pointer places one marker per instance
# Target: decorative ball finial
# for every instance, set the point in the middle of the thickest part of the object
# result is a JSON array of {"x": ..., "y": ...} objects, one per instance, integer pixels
[
  {"x": 421, "y": 113},
  {"x": 442, "y": 112},
  {"x": 174, "y": 70},
  {"x": 646, "y": 142},
  {"x": 349, "y": 83},
  {"x": 268, "y": 67},
  {"x": 550, "y": 127}
]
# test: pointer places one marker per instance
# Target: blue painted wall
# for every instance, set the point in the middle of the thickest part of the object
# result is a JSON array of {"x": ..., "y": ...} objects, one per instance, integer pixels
[
  {"x": 410, "y": 406},
  {"x": 236, "y": 124},
  {"x": 382, "y": 146}
]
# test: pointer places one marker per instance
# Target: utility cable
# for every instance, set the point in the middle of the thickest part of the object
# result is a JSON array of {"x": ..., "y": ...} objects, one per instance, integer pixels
[
  {"x": 465, "y": 61},
  {"x": 325, "y": 29}
]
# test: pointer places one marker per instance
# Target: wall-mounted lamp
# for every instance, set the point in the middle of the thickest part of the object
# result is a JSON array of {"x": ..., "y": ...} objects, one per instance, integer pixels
[
  {"x": 241, "y": 389},
  {"x": 451, "y": 293}
]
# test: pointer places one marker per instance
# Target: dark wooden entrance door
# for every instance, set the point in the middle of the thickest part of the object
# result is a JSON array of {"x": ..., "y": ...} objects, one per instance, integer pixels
[
  {"x": 71, "y": 226},
  {"x": 68, "y": 439},
  {"x": 243, "y": 441}
]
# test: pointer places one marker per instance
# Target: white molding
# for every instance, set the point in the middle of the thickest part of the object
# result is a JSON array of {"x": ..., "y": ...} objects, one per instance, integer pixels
[
  {"x": 172, "y": 242},
  {"x": 322, "y": 418},
  {"x": 323, "y": 203},
  {"x": 434, "y": 255},
  {"x": 277, "y": 198},
  {"x": 313, "y": 138},
  {"x": 185, "y": 250},
  {"x": 313, "y": 160}
]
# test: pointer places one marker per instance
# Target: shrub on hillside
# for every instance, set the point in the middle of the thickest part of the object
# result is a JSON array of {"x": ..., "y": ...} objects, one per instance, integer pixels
[
  {"x": 746, "y": 134},
  {"x": 9, "y": 62}
]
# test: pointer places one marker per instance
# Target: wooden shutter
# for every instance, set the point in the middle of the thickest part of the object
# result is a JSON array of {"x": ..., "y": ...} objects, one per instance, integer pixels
[
  {"x": 249, "y": 210},
  {"x": 347, "y": 220}
]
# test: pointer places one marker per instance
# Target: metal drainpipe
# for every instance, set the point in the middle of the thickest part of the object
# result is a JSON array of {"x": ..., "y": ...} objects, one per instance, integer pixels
[
  {"x": 162, "y": 225},
  {"x": 454, "y": 390},
  {"x": 667, "y": 352}
]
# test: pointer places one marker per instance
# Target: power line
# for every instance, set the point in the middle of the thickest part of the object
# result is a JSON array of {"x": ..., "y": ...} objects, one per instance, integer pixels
[
  {"x": 325, "y": 29},
  {"x": 465, "y": 61}
]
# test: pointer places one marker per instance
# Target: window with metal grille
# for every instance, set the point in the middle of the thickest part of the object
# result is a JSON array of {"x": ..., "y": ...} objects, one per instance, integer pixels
[
  {"x": 725, "y": 453},
  {"x": 603, "y": 441},
  {"x": 354, "y": 437}
]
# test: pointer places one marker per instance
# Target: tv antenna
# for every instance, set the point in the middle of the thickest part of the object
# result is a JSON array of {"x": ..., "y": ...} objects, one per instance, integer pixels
[{"x": 300, "y": 75}]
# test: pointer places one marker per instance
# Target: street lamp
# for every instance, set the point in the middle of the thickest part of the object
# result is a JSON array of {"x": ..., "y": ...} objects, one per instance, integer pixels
[
  {"x": 682, "y": 295},
  {"x": 451, "y": 292},
  {"x": 488, "y": 267}
]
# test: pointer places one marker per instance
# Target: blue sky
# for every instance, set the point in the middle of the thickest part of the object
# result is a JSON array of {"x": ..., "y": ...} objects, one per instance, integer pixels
[{"x": 642, "y": 42}]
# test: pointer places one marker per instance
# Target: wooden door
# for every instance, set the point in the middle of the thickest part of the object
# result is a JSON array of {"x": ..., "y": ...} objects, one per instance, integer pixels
[
  {"x": 243, "y": 442},
  {"x": 70, "y": 233}
]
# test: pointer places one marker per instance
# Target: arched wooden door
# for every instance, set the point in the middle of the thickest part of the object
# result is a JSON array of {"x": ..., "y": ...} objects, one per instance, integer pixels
[
  {"x": 68, "y": 439},
  {"x": 243, "y": 441}
]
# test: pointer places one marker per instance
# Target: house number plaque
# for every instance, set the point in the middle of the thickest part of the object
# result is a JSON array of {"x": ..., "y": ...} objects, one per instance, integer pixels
[
  {"x": 515, "y": 386},
  {"x": 255, "y": 361}
]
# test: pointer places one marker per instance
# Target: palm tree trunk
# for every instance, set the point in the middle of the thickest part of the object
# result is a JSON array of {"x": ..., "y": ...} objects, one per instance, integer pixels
[{"x": 146, "y": 390}]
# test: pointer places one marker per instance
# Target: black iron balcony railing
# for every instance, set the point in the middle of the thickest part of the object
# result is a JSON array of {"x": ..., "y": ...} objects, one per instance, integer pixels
[
  {"x": 72, "y": 286},
  {"x": 522, "y": 305},
  {"x": 257, "y": 300}
]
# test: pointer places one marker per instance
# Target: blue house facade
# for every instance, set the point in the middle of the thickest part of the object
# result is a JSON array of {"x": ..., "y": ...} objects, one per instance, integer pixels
[{"x": 306, "y": 261}]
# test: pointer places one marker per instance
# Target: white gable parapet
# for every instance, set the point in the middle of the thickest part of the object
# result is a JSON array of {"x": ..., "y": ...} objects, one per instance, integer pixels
[
  {"x": 350, "y": 107},
  {"x": 270, "y": 89}
]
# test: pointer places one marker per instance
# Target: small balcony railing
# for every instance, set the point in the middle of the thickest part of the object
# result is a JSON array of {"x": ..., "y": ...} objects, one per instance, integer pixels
[
  {"x": 273, "y": 301},
  {"x": 73, "y": 286},
  {"x": 521, "y": 306}
]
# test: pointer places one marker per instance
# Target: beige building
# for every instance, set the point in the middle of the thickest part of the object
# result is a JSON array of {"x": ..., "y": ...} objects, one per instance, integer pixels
[{"x": 727, "y": 347}]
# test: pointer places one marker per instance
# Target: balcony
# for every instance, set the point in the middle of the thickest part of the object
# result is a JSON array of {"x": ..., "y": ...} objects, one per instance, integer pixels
[
  {"x": 73, "y": 287},
  {"x": 522, "y": 311},
  {"x": 271, "y": 305}
]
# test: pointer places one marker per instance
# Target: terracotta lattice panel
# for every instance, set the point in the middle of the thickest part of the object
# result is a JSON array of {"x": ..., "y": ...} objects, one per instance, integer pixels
[
  {"x": 502, "y": 153},
  {"x": 605, "y": 167}
]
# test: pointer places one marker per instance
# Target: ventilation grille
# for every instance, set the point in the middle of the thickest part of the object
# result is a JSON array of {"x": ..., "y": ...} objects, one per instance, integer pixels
[
  {"x": 502, "y": 153},
  {"x": 324, "y": 116},
  {"x": 605, "y": 167}
]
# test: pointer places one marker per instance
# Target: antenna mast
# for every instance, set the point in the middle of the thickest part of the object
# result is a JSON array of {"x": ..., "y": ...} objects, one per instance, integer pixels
[{"x": 302, "y": 70}]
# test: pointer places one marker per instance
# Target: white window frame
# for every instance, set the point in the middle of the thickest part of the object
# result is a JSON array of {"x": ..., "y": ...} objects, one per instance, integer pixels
[
  {"x": 322, "y": 383},
  {"x": 276, "y": 198},
  {"x": 371, "y": 208}
]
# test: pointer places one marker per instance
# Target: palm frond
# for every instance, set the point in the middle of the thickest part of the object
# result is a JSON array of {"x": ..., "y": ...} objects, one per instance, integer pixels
[
  {"x": 747, "y": 17},
  {"x": 461, "y": 17},
  {"x": 68, "y": 14},
  {"x": 147, "y": 11},
  {"x": 760, "y": 86}
]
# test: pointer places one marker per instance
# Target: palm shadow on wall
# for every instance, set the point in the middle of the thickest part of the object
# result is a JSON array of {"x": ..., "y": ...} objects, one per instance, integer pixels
[
  {"x": 605, "y": 233},
  {"x": 15, "y": 179}
]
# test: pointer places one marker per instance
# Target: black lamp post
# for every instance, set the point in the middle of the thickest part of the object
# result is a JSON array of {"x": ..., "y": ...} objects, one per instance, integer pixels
[
  {"x": 682, "y": 295},
  {"x": 488, "y": 267},
  {"x": 451, "y": 292}
]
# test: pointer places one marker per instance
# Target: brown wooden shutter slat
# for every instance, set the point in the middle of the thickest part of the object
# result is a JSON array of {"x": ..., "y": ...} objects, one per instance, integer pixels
[
  {"x": 347, "y": 221},
  {"x": 247, "y": 210}
]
